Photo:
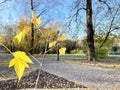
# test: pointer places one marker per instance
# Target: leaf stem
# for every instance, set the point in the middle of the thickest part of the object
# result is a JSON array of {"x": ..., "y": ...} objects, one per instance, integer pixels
[{"x": 6, "y": 48}]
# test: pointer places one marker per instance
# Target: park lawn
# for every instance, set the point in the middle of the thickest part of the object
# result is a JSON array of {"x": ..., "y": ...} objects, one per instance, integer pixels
[{"x": 107, "y": 63}]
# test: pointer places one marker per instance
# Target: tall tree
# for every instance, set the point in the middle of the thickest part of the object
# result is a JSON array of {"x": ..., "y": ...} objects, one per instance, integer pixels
[
  {"x": 104, "y": 8},
  {"x": 87, "y": 6},
  {"x": 90, "y": 31},
  {"x": 32, "y": 29},
  {"x": 36, "y": 6}
]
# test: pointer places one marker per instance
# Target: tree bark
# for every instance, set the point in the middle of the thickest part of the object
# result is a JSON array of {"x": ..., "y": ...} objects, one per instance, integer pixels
[
  {"x": 32, "y": 30},
  {"x": 58, "y": 59},
  {"x": 90, "y": 32}
]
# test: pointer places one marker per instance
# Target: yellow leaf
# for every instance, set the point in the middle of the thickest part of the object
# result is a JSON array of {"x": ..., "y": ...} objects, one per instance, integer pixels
[
  {"x": 35, "y": 21},
  {"x": 12, "y": 63},
  {"x": 52, "y": 44},
  {"x": 23, "y": 56},
  {"x": 62, "y": 51},
  {"x": 20, "y": 62},
  {"x": 22, "y": 34},
  {"x": 33, "y": 14},
  {"x": 38, "y": 21},
  {"x": 19, "y": 37},
  {"x": 19, "y": 69},
  {"x": 62, "y": 38}
]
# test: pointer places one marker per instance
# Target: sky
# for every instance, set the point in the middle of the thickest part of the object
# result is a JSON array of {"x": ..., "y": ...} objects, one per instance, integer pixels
[{"x": 59, "y": 10}]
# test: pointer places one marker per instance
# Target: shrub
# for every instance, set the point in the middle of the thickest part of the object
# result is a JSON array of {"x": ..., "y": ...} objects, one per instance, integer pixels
[{"x": 102, "y": 53}]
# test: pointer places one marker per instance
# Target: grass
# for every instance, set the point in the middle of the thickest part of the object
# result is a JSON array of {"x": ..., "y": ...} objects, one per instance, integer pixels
[{"x": 112, "y": 62}]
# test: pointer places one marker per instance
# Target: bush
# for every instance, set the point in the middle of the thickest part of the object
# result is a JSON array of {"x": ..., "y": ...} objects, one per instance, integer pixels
[{"x": 102, "y": 53}]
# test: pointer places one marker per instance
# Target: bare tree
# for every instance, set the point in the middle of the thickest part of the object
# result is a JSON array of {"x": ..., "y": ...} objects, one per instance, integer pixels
[
  {"x": 90, "y": 31},
  {"x": 86, "y": 5},
  {"x": 32, "y": 29},
  {"x": 113, "y": 25}
]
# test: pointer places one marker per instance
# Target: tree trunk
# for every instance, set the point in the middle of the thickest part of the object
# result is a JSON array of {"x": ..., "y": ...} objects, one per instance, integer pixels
[
  {"x": 90, "y": 32},
  {"x": 58, "y": 59},
  {"x": 32, "y": 30}
]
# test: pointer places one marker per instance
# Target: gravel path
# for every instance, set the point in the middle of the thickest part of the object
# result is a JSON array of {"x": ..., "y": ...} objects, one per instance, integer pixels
[{"x": 95, "y": 78}]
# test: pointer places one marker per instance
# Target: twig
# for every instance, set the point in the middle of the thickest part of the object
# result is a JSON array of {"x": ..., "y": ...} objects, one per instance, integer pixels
[
  {"x": 5, "y": 48},
  {"x": 35, "y": 59},
  {"x": 40, "y": 68}
]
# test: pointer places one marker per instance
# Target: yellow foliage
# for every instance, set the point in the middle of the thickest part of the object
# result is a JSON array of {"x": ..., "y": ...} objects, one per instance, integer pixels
[
  {"x": 62, "y": 38},
  {"x": 52, "y": 44},
  {"x": 1, "y": 39},
  {"x": 62, "y": 51},
  {"x": 22, "y": 24},
  {"x": 20, "y": 63},
  {"x": 48, "y": 33},
  {"x": 35, "y": 21},
  {"x": 22, "y": 34}
]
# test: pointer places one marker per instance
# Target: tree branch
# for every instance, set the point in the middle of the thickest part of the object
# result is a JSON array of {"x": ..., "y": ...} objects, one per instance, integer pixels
[
  {"x": 104, "y": 2},
  {"x": 42, "y": 13},
  {"x": 110, "y": 27}
]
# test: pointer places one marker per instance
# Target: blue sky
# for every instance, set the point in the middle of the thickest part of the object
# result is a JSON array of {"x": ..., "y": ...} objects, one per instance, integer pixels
[{"x": 58, "y": 12}]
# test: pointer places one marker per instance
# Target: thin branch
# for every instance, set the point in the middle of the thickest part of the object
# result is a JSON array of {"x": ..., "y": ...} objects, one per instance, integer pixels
[
  {"x": 104, "y": 2},
  {"x": 115, "y": 29},
  {"x": 40, "y": 68},
  {"x": 35, "y": 59},
  {"x": 42, "y": 13},
  {"x": 110, "y": 27},
  {"x": 6, "y": 48}
]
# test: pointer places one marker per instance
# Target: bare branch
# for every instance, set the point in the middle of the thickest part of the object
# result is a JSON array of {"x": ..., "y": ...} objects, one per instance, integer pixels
[
  {"x": 110, "y": 27},
  {"x": 104, "y": 2},
  {"x": 42, "y": 12}
]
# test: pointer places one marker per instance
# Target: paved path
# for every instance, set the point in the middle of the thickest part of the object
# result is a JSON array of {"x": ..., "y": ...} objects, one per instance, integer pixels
[{"x": 102, "y": 79}]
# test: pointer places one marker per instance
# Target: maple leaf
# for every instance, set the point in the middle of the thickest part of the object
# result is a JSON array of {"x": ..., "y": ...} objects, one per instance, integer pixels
[
  {"x": 19, "y": 37},
  {"x": 22, "y": 34},
  {"x": 62, "y": 38},
  {"x": 35, "y": 21},
  {"x": 62, "y": 51},
  {"x": 52, "y": 44},
  {"x": 20, "y": 62}
]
